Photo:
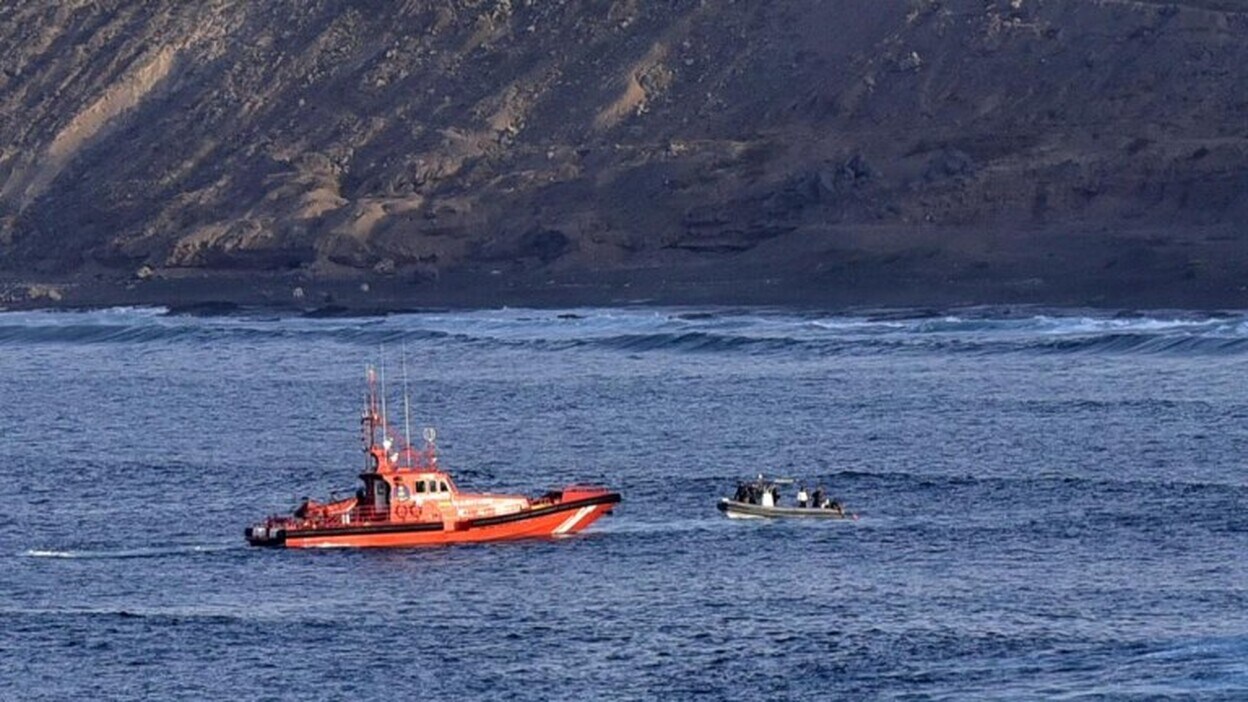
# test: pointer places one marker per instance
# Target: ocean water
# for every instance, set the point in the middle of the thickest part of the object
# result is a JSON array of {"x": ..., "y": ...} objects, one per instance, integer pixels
[{"x": 1053, "y": 505}]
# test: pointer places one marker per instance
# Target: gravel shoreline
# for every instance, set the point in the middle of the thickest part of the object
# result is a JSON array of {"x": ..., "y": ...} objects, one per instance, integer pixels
[{"x": 294, "y": 294}]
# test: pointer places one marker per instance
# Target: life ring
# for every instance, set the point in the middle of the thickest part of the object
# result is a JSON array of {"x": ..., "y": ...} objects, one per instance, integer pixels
[{"x": 401, "y": 511}]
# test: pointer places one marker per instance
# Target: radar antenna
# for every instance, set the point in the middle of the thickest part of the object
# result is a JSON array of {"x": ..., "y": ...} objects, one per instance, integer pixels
[{"x": 431, "y": 448}]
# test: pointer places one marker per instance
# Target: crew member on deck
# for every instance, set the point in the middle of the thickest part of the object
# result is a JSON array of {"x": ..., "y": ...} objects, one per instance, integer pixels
[{"x": 743, "y": 493}]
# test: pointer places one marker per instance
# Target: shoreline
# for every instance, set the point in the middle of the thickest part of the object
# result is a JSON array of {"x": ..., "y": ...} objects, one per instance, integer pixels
[{"x": 225, "y": 294}]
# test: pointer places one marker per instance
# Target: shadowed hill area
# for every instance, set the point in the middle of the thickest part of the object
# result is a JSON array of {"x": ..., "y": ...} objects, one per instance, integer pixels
[{"x": 815, "y": 151}]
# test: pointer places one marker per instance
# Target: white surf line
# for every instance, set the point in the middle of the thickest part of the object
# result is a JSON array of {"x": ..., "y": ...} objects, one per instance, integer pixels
[{"x": 573, "y": 520}]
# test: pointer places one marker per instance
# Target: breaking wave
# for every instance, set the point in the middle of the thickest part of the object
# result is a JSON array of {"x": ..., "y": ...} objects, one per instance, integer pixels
[{"x": 980, "y": 330}]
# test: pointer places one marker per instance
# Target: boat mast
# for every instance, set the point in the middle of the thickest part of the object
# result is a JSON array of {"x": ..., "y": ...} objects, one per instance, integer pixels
[
  {"x": 407, "y": 410},
  {"x": 369, "y": 422},
  {"x": 384, "y": 421}
]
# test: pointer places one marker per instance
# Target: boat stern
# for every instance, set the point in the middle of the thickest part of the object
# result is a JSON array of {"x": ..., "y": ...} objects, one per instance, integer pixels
[{"x": 265, "y": 534}]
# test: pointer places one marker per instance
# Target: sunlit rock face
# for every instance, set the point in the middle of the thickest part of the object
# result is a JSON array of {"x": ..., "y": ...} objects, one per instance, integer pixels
[{"x": 1014, "y": 145}]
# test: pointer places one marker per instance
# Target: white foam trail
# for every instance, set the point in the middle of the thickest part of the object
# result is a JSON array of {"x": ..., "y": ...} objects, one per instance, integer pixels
[
  {"x": 248, "y": 612},
  {"x": 131, "y": 553}
]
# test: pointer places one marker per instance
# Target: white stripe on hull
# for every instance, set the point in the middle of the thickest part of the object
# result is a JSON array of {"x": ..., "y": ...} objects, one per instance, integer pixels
[{"x": 572, "y": 521}]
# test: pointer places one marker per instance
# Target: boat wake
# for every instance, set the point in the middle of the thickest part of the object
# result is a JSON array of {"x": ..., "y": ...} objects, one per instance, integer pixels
[
  {"x": 146, "y": 552},
  {"x": 669, "y": 526},
  {"x": 211, "y": 613}
]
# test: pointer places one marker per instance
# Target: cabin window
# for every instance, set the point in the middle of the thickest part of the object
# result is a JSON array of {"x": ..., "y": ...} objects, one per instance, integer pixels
[
  {"x": 420, "y": 486},
  {"x": 442, "y": 487}
]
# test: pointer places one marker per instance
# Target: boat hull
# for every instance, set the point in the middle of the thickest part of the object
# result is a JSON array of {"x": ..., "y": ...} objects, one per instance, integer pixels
[
  {"x": 745, "y": 510},
  {"x": 547, "y": 521}
]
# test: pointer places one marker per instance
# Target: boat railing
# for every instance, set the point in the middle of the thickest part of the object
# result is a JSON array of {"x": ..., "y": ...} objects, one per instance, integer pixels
[
  {"x": 360, "y": 516},
  {"x": 576, "y": 487}
]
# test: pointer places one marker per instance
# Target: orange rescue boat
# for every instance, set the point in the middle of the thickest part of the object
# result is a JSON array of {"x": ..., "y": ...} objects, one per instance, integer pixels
[{"x": 407, "y": 500}]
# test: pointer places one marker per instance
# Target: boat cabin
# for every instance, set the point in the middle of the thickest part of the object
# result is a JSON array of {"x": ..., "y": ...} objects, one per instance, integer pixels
[
  {"x": 407, "y": 485},
  {"x": 384, "y": 491}
]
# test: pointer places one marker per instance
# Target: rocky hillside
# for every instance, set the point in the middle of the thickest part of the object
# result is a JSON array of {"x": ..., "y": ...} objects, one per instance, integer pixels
[{"x": 816, "y": 150}]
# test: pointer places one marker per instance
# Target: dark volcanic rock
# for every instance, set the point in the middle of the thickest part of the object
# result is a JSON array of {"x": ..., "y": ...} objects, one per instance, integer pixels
[{"x": 1010, "y": 149}]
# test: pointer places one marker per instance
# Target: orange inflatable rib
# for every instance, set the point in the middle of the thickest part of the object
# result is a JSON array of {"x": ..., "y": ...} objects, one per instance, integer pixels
[{"x": 407, "y": 500}]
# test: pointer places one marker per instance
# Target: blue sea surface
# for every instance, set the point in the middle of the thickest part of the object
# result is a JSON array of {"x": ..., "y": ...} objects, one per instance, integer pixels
[{"x": 1053, "y": 505}]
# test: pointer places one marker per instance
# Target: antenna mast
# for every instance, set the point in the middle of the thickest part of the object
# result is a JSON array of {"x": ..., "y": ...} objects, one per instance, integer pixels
[
  {"x": 407, "y": 411},
  {"x": 368, "y": 424},
  {"x": 385, "y": 426}
]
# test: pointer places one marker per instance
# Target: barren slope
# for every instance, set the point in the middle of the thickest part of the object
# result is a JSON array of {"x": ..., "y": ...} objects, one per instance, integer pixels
[{"x": 810, "y": 149}]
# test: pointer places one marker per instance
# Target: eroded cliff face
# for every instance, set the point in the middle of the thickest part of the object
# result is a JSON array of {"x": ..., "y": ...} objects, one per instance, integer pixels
[{"x": 1018, "y": 142}]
